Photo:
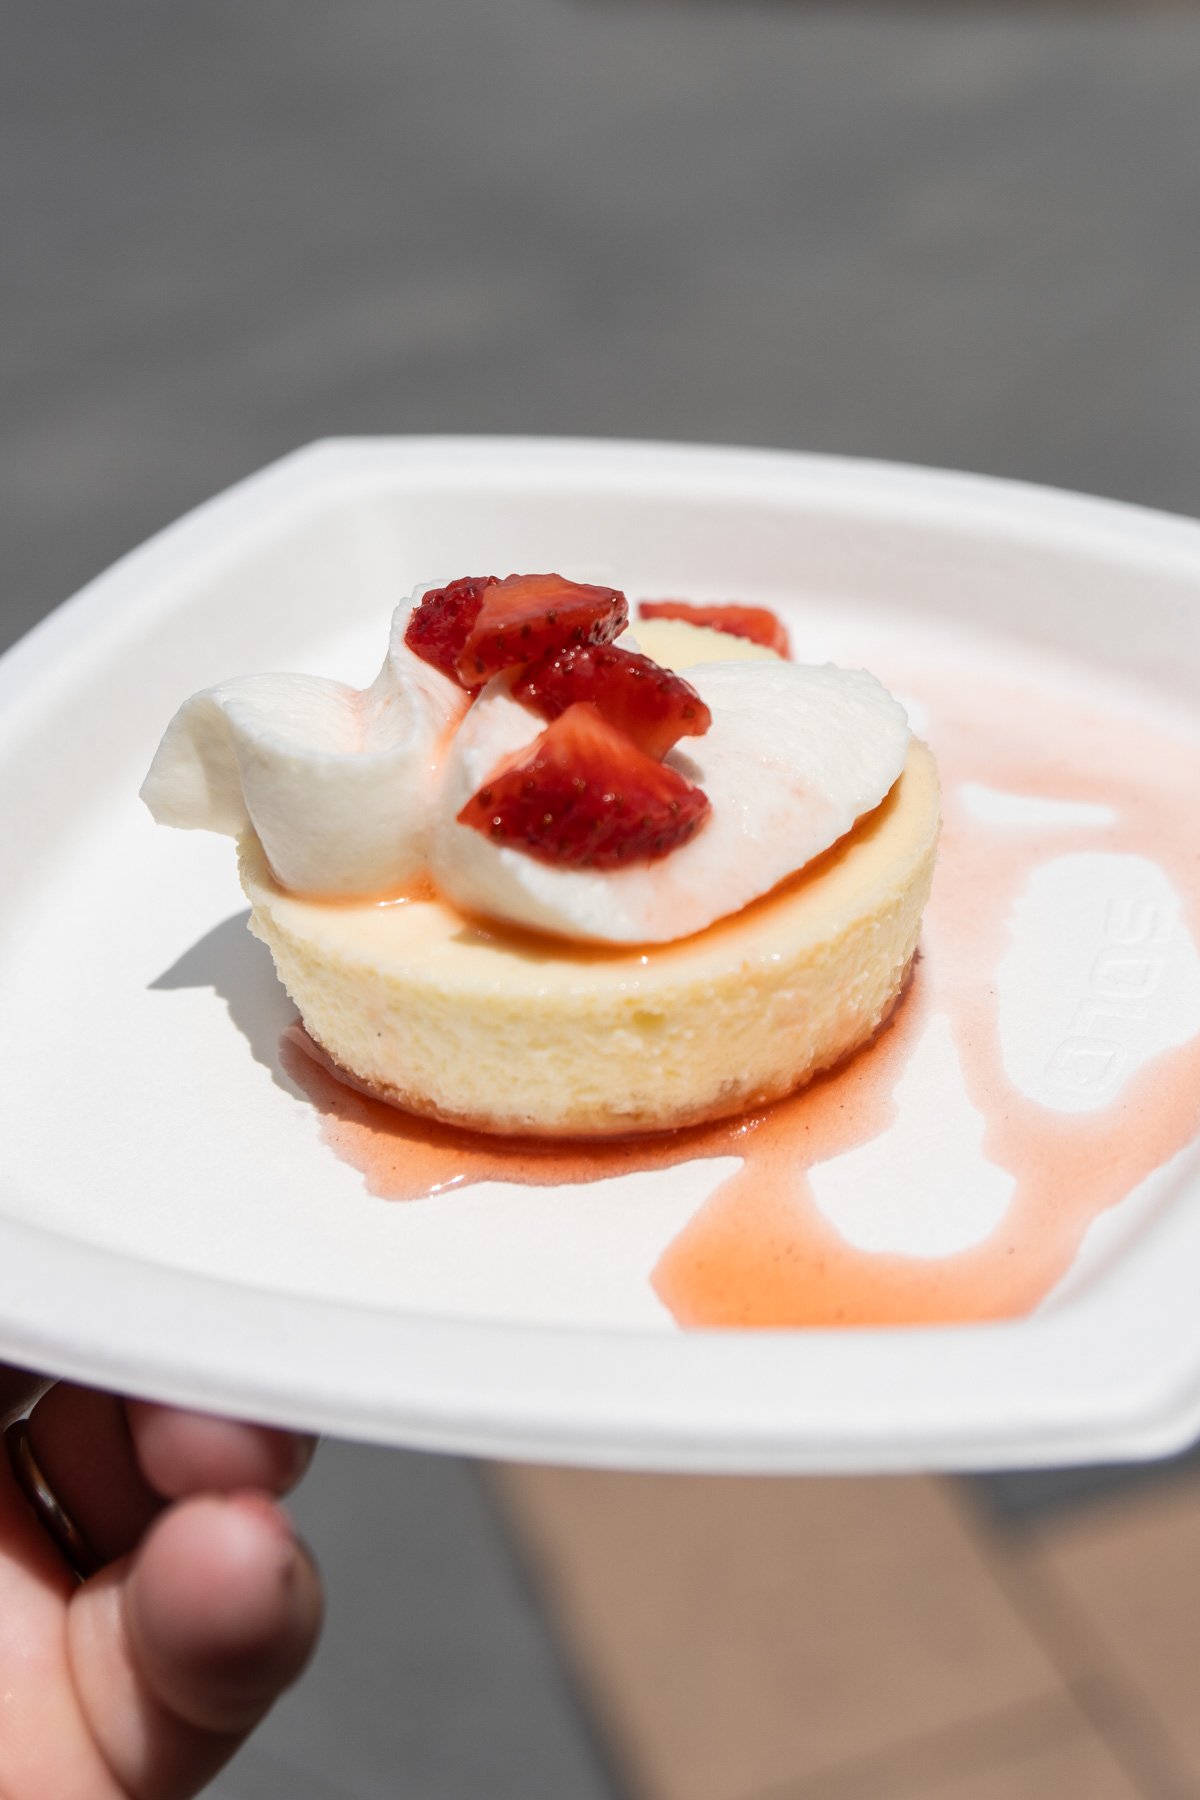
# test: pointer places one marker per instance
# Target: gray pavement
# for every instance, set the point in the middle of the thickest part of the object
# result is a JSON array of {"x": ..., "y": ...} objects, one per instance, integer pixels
[
  {"x": 957, "y": 236},
  {"x": 435, "y": 1677}
]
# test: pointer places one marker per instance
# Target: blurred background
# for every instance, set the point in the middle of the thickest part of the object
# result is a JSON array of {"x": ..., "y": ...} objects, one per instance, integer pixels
[{"x": 963, "y": 235}]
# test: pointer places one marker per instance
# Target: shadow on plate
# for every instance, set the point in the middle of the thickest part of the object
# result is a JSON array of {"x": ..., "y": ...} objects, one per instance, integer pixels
[{"x": 239, "y": 970}]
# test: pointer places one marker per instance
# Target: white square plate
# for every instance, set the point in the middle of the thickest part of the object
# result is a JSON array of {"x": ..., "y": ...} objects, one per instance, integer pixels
[{"x": 171, "y": 1220}]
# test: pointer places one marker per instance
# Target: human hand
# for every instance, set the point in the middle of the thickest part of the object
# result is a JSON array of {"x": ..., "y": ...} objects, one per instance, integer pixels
[{"x": 141, "y": 1681}]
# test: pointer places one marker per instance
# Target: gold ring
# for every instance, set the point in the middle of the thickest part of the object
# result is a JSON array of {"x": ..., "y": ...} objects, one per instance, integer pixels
[{"x": 49, "y": 1510}]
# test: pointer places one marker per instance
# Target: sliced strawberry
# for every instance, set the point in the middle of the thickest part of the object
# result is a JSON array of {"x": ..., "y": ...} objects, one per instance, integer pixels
[
  {"x": 441, "y": 624},
  {"x": 647, "y": 702},
  {"x": 756, "y": 622},
  {"x": 584, "y": 797},
  {"x": 526, "y": 615}
]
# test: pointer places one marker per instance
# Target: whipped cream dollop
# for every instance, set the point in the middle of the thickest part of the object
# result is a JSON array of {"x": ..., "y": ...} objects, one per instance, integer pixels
[
  {"x": 339, "y": 783},
  {"x": 794, "y": 756},
  {"x": 357, "y": 793}
]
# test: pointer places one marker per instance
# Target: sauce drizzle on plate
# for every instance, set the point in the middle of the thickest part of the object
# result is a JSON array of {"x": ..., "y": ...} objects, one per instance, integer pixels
[{"x": 759, "y": 1252}]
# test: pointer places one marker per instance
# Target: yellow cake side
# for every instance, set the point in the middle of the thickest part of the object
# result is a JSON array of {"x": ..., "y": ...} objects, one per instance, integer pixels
[{"x": 509, "y": 1032}]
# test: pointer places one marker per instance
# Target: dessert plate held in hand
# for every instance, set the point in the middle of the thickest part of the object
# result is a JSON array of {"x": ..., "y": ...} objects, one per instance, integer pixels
[{"x": 971, "y": 1245}]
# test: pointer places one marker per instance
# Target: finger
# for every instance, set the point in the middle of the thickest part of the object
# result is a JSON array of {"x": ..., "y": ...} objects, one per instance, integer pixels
[
  {"x": 178, "y": 1651},
  {"x": 183, "y": 1453},
  {"x": 81, "y": 1439},
  {"x": 46, "y": 1748},
  {"x": 18, "y": 1389},
  {"x": 112, "y": 1463}
]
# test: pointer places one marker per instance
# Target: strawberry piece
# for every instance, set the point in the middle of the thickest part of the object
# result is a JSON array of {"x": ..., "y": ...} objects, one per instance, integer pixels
[
  {"x": 441, "y": 624},
  {"x": 648, "y": 703},
  {"x": 526, "y": 615},
  {"x": 755, "y": 622},
  {"x": 582, "y": 796}
]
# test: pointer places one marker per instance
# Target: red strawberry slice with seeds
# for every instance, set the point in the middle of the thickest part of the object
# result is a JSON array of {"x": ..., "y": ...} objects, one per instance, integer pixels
[
  {"x": 442, "y": 623},
  {"x": 758, "y": 623},
  {"x": 526, "y": 615},
  {"x": 650, "y": 704},
  {"x": 583, "y": 796}
]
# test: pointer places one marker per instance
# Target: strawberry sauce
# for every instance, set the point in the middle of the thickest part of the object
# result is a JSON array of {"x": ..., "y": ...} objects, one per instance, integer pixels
[{"x": 759, "y": 1252}]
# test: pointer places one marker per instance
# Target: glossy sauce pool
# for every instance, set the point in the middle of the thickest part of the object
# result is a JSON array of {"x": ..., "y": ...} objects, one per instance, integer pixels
[{"x": 759, "y": 1252}]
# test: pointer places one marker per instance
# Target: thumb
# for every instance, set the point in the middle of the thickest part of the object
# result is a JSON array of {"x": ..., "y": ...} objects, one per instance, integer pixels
[{"x": 179, "y": 1650}]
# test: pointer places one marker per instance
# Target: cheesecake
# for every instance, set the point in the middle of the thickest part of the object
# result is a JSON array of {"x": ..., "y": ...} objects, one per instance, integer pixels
[
  {"x": 591, "y": 1003},
  {"x": 501, "y": 1031}
]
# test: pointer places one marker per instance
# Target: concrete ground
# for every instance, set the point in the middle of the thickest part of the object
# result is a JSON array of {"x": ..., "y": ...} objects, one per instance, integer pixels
[{"x": 954, "y": 235}]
